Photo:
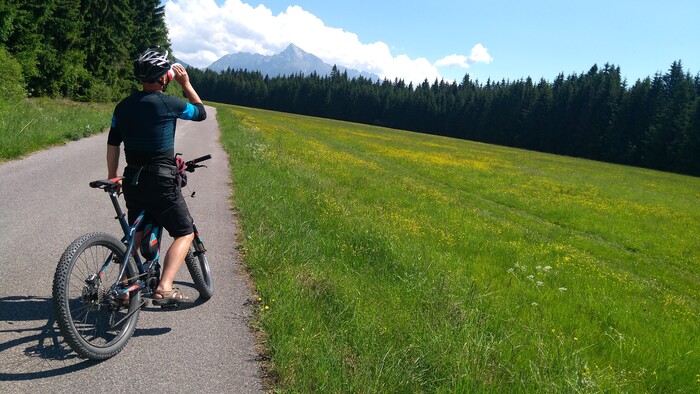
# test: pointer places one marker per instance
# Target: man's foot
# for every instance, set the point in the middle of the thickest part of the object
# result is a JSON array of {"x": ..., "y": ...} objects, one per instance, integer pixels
[
  {"x": 123, "y": 301},
  {"x": 170, "y": 298}
]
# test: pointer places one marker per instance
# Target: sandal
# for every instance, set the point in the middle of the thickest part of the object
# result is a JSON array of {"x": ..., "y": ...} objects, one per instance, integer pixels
[{"x": 170, "y": 298}]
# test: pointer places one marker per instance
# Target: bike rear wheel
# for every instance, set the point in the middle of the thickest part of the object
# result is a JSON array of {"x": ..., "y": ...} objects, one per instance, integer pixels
[
  {"x": 198, "y": 266},
  {"x": 92, "y": 324}
]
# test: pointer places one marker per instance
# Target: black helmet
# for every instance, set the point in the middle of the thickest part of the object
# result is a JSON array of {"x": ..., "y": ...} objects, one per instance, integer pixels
[{"x": 151, "y": 65}]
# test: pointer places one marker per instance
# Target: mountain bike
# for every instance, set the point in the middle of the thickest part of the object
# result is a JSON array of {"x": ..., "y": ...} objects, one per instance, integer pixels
[{"x": 101, "y": 282}]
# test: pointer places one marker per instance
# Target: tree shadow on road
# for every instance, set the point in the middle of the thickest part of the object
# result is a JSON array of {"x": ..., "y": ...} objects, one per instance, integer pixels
[{"x": 35, "y": 352}]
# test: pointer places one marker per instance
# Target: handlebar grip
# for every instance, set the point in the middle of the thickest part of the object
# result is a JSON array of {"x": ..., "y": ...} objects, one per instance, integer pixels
[{"x": 200, "y": 159}]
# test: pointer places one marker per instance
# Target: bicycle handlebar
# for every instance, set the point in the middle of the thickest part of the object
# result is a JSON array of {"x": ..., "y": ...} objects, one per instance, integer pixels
[{"x": 191, "y": 165}]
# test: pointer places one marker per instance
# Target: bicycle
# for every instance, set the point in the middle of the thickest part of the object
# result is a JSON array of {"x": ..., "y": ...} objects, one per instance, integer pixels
[{"x": 97, "y": 291}]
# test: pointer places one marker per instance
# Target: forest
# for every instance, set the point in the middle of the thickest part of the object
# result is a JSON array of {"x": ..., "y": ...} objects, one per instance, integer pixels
[
  {"x": 78, "y": 49},
  {"x": 83, "y": 50}
]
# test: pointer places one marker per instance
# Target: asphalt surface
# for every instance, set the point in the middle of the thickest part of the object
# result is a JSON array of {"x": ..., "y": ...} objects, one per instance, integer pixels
[{"x": 46, "y": 203}]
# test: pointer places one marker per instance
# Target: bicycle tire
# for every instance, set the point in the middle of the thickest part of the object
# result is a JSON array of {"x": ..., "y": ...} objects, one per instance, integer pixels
[
  {"x": 83, "y": 316},
  {"x": 198, "y": 265}
]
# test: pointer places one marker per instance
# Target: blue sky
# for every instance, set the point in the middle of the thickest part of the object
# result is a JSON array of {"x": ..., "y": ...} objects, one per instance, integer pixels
[{"x": 414, "y": 39}]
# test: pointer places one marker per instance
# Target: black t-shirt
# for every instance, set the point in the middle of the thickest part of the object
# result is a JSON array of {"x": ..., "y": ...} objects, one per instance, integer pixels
[{"x": 145, "y": 122}]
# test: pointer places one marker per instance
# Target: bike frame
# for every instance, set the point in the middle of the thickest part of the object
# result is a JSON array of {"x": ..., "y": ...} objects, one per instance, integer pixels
[{"x": 128, "y": 239}]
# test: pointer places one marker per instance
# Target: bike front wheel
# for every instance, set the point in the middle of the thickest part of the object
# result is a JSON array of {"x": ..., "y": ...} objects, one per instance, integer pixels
[
  {"x": 198, "y": 266},
  {"x": 92, "y": 322}
]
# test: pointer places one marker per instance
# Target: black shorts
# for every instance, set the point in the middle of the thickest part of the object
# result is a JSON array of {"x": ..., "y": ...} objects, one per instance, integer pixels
[{"x": 162, "y": 200}]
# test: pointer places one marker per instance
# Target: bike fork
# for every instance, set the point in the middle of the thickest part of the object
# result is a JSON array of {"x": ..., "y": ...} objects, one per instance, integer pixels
[{"x": 198, "y": 244}]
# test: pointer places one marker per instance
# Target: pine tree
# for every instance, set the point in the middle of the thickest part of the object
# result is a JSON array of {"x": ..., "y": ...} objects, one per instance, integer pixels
[{"x": 19, "y": 34}]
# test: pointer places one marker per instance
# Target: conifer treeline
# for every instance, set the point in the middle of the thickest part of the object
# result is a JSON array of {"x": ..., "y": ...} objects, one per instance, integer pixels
[
  {"x": 80, "y": 49},
  {"x": 654, "y": 123}
]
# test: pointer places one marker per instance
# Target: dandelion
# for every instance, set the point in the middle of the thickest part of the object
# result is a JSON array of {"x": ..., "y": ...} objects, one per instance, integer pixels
[{"x": 586, "y": 371}]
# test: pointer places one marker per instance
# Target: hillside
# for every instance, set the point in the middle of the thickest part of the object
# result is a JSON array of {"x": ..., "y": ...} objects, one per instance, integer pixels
[{"x": 403, "y": 262}]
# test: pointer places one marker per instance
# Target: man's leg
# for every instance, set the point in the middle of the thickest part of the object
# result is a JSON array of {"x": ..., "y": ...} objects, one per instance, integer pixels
[
  {"x": 173, "y": 260},
  {"x": 124, "y": 299},
  {"x": 176, "y": 219}
]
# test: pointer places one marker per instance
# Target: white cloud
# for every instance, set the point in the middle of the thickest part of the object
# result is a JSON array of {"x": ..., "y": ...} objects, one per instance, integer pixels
[
  {"x": 453, "y": 60},
  {"x": 202, "y": 32},
  {"x": 478, "y": 54}
]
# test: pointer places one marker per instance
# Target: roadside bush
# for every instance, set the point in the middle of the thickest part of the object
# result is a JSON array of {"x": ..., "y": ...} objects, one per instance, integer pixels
[{"x": 12, "y": 83}]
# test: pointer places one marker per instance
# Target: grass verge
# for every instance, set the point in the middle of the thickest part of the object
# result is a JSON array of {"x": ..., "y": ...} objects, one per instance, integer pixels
[{"x": 29, "y": 125}]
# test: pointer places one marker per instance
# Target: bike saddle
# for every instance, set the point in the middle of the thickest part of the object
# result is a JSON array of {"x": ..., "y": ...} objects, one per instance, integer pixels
[{"x": 106, "y": 183}]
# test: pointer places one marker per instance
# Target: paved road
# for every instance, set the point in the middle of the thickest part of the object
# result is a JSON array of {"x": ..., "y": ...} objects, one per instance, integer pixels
[{"x": 45, "y": 203}]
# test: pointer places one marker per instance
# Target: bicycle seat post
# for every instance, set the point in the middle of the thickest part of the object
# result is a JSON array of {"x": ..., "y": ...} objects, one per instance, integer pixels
[{"x": 121, "y": 216}]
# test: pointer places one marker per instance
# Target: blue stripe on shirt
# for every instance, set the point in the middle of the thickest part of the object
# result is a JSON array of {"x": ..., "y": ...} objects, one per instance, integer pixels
[{"x": 189, "y": 112}]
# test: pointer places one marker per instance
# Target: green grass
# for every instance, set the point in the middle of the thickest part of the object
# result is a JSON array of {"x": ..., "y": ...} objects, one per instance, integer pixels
[
  {"x": 389, "y": 261},
  {"x": 28, "y": 125}
]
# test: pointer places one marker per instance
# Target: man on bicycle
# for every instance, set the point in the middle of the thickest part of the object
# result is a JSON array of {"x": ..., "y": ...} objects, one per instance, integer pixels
[{"x": 145, "y": 122}]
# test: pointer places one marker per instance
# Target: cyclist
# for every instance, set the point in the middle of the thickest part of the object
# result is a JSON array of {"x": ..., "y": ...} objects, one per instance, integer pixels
[{"x": 145, "y": 123}]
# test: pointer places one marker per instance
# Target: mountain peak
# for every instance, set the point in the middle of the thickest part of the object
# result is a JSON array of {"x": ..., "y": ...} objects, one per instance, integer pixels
[
  {"x": 297, "y": 55},
  {"x": 292, "y": 60},
  {"x": 294, "y": 50}
]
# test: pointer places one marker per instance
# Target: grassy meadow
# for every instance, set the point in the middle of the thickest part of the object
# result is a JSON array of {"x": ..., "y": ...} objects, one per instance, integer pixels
[
  {"x": 28, "y": 125},
  {"x": 389, "y": 261}
]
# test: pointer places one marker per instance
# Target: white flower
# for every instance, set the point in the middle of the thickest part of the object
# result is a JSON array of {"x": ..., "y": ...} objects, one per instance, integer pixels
[
  {"x": 531, "y": 277},
  {"x": 547, "y": 268},
  {"x": 535, "y": 304},
  {"x": 511, "y": 270},
  {"x": 563, "y": 289},
  {"x": 539, "y": 283}
]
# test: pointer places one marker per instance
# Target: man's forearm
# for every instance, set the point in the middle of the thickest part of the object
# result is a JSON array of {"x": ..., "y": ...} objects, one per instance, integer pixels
[
  {"x": 112, "y": 161},
  {"x": 191, "y": 94}
]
